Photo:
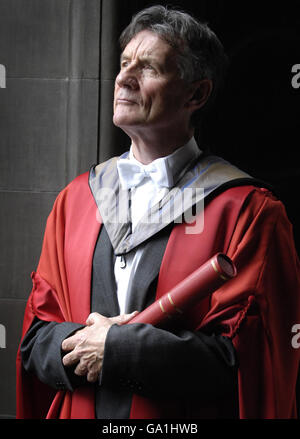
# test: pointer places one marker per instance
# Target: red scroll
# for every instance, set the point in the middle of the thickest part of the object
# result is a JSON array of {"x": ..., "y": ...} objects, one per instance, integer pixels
[{"x": 203, "y": 281}]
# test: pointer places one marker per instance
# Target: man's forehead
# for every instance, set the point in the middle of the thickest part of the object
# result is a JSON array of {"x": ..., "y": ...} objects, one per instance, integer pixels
[{"x": 147, "y": 44}]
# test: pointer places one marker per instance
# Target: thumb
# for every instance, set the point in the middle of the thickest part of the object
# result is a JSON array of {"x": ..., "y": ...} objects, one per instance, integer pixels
[{"x": 123, "y": 318}]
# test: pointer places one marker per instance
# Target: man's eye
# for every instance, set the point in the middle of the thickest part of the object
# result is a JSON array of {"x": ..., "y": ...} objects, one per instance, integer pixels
[
  {"x": 149, "y": 67},
  {"x": 124, "y": 64}
]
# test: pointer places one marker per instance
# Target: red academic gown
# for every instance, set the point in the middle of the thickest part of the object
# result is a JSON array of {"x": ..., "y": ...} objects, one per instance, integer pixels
[{"x": 256, "y": 310}]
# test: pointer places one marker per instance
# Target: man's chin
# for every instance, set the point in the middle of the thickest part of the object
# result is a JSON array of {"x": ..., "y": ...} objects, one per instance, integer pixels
[{"x": 125, "y": 121}]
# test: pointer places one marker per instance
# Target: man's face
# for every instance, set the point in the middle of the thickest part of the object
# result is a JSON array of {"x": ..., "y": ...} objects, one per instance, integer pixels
[{"x": 148, "y": 90}]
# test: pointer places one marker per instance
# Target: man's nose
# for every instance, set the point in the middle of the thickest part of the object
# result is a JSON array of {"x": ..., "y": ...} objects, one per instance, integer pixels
[{"x": 126, "y": 78}]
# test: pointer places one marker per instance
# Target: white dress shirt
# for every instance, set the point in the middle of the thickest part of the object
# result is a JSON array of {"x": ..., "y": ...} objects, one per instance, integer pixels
[{"x": 143, "y": 197}]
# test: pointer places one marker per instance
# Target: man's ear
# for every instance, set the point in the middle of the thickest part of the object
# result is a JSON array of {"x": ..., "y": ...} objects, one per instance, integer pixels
[{"x": 200, "y": 92}]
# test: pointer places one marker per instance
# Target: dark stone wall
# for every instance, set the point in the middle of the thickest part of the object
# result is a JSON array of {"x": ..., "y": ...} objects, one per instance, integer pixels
[{"x": 48, "y": 135}]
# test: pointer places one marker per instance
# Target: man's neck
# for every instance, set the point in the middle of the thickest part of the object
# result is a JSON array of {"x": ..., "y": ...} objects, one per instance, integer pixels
[{"x": 146, "y": 149}]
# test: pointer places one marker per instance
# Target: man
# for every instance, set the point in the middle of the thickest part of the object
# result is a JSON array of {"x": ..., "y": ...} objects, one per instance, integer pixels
[{"x": 231, "y": 355}]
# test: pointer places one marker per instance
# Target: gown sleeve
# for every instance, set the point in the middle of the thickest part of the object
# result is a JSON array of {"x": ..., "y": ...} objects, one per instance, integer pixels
[{"x": 42, "y": 355}]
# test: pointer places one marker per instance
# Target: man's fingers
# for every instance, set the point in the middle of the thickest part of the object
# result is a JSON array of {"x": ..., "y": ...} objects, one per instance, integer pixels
[
  {"x": 93, "y": 374},
  {"x": 98, "y": 318},
  {"x": 92, "y": 377},
  {"x": 89, "y": 365},
  {"x": 94, "y": 370},
  {"x": 81, "y": 369},
  {"x": 71, "y": 342},
  {"x": 122, "y": 318},
  {"x": 68, "y": 344},
  {"x": 71, "y": 358}
]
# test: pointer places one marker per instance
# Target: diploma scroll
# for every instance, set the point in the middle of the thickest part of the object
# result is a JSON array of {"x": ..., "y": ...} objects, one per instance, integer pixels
[{"x": 203, "y": 281}]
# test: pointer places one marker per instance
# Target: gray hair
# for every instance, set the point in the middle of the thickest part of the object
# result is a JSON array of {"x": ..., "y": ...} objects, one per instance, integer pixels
[{"x": 200, "y": 53}]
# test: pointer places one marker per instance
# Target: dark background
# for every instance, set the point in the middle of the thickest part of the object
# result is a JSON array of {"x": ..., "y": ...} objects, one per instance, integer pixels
[{"x": 61, "y": 58}]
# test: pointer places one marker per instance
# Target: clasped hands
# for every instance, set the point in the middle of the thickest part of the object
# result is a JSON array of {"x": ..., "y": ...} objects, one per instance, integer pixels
[{"x": 86, "y": 346}]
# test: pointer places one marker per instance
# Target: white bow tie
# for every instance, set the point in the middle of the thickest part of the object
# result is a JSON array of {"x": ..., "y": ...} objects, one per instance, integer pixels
[{"x": 131, "y": 173}]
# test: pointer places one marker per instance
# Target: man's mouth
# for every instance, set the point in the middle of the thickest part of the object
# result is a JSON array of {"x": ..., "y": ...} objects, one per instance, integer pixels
[{"x": 125, "y": 100}]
